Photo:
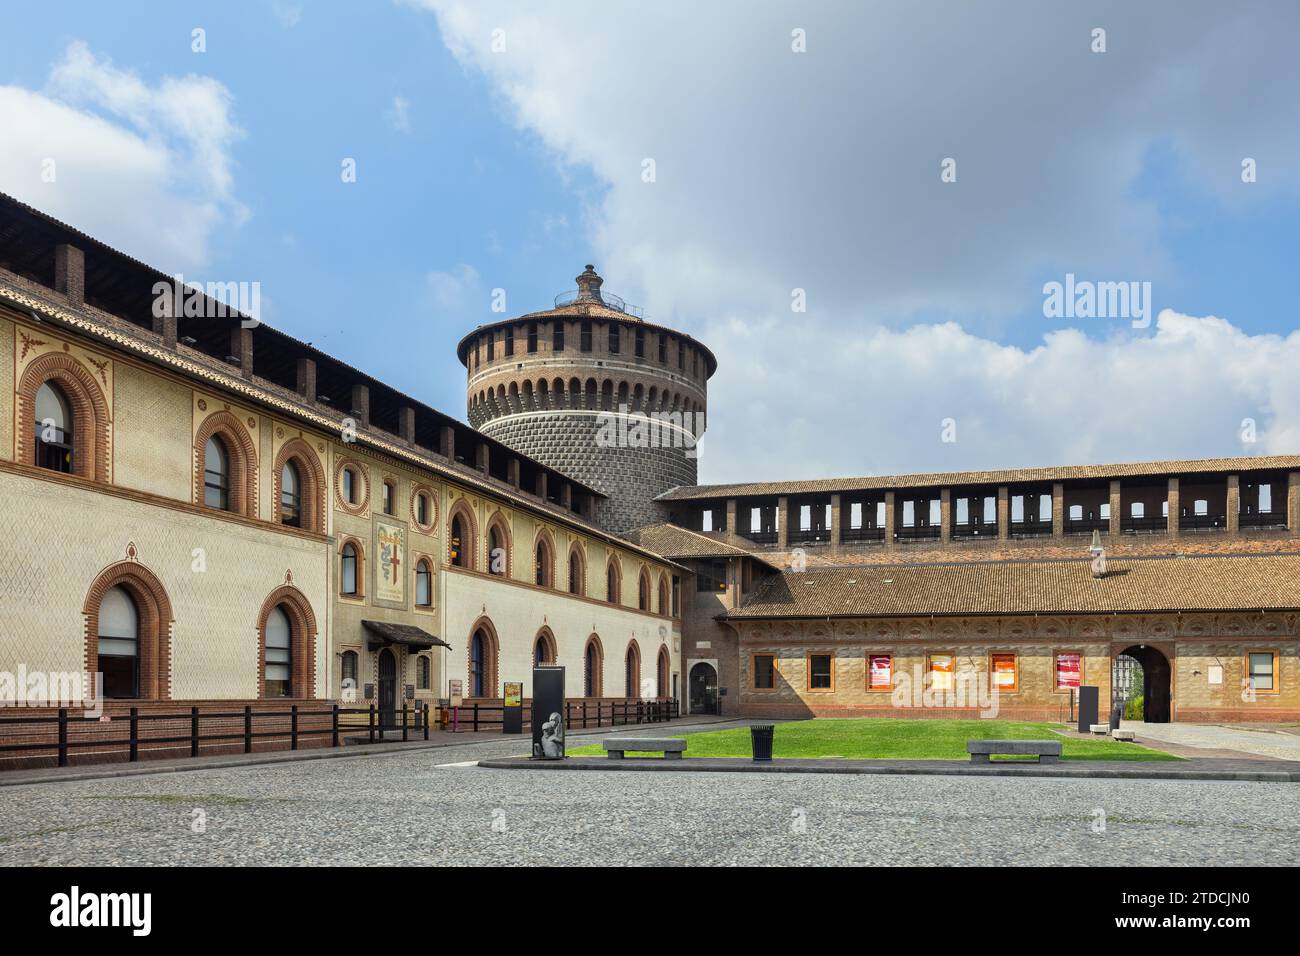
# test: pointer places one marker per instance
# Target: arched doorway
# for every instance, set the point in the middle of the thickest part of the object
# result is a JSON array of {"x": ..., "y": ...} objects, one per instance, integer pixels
[
  {"x": 1154, "y": 686},
  {"x": 704, "y": 689},
  {"x": 387, "y": 688}
]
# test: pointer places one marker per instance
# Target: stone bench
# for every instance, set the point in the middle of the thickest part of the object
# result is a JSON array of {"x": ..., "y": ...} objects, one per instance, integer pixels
[
  {"x": 1119, "y": 734},
  {"x": 1099, "y": 728},
  {"x": 1047, "y": 751},
  {"x": 671, "y": 747}
]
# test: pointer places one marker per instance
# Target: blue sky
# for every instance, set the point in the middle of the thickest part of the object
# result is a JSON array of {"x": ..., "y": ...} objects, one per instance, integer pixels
[{"x": 480, "y": 168}]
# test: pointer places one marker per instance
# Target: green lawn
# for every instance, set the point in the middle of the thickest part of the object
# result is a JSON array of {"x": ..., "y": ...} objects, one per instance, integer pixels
[{"x": 887, "y": 738}]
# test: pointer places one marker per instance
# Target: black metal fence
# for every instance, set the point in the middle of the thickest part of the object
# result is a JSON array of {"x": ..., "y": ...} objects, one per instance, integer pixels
[{"x": 474, "y": 717}]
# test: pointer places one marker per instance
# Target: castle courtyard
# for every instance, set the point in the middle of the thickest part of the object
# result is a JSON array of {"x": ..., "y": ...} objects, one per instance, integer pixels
[{"x": 433, "y": 807}]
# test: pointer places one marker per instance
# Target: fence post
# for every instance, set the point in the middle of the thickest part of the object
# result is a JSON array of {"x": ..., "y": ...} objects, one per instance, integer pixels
[
  {"x": 584, "y": 714},
  {"x": 405, "y": 711},
  {"x": 334, "y": 724},
  {"x": 426, "y": 721},
  {"x": 372, "y": 723},
  {"x": 194, "y": 731},
  {"x": 135, "y": 734},
  {"x": 474, "y": 718},
  {"x": 248, "y": 729},
  {"x": 293, "y": 727},
  {"x": 63, "y": 736}
]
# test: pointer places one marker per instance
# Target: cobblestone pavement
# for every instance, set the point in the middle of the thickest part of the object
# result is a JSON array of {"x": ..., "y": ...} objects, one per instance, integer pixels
[
  {"x": 420, "y": 808},
  {"x": 1261, "y": 743}
]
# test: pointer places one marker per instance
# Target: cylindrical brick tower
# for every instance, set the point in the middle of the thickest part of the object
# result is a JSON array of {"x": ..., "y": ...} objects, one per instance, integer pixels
[{"x": 593, "y": 390}]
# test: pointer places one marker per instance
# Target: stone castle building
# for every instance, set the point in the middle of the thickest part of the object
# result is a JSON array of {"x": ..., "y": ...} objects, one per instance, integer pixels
[
  {"x": 206, "y": 511},
  {"x": 551, "y": 384}
]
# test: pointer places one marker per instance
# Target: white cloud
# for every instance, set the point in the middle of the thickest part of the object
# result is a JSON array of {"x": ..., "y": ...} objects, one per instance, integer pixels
[
  {"x": 399, "y": 114},
  {"x": 452, "y": 292},
  {"x": 820, "y": 170},
  {"x": 145, "y": 168}
]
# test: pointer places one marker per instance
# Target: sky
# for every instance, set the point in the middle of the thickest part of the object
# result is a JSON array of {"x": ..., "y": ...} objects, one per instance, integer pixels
[{"x": 860, "y": 208}]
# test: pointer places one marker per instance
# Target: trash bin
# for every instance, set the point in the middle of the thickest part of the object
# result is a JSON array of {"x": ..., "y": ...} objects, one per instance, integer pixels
[{"x": 760, "y": 736}]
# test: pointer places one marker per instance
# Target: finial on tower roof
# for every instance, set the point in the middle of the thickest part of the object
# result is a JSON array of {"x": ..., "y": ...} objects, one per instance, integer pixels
[{"x": 589, "y": 285}]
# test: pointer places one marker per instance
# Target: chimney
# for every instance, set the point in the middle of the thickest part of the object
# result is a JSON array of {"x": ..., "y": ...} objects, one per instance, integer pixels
[
  {"x": 70, "y": 273},
  {"x": 306, "y": 386},
  {"x": 361, "y": 405}
]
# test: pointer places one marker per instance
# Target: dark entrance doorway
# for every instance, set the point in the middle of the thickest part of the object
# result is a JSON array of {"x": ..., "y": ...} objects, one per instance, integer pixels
[
  {"x": 387, "y": 688},
  {"x": 704, "y": 689},
  {"x": 1155, "y": 688}
]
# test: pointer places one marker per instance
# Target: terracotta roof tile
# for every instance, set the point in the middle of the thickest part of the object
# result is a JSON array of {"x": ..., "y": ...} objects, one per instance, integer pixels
[{"x": 1237, "y": 583}]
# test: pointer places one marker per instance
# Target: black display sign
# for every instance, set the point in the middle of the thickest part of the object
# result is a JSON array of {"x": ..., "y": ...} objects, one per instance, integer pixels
[{"x": 548, "y": 713}]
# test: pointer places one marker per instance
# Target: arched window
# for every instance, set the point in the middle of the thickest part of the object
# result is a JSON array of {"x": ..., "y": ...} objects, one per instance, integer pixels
[
  {"x": 291, "y": 495},
  {"x": 348, "y": 569},
  {"x": 612, "y": 583},
  {"x": 349, "y": 483},
  {"x": 498, "y": 550},
  {"x": 643, "y": 591},
  {"x": 577, "y": 572},
  {"x": 543, "y": 650},
  {"x": 389, "y": 495},
  {"x": 424, "y": 673},
  {"x": 663, "y": 595},
  {"x": 53, "y": 429},
  {"x": 457, "y": 543},
  {"x": 423, "y": 513},
  {"x": 632, "y": 671},
  {"x": 350, "y": 670},
  {"x": 423, "y": 583},
  {"x": 592, "y": 665},
  {"x": 663, "y": 672},
  {"x": 216, "y": 474},
  {"x": 542, "y": 564},
  {"x": 119, "y": 644},
  {"x": 298, "y": 487},
  {"x": 277, "y": 659},
  {"x": 478, "y": 664}
]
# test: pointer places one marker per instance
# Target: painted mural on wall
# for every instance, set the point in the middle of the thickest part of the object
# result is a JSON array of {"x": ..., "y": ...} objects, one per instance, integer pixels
[{"x": 390, "y": 577}]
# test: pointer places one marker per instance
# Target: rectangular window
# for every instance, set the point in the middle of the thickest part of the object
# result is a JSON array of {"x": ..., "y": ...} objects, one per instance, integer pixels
[
  {"x": 532, "y": 337},
  {"x": 1068, "y": 670},
  {"x": 584, "y": 341},
  {"x": 640, "y": 343},
  {"x": 491, "y": 346},
  {"x": 880, "y": 672},
  {"x": 1004, "y": 671},
  {"x": 820, "y": 675},
  {"x": 681, "y": 356},
  {"x": 663, "y": 349},
  {"x": 1262, "y": 670},
  {"x": 614, "y": 343},
  {"x": 764, "y": 672},
  {"x": 941, "y": 668},
  {"x": 509, "y": 340},
  {"x": 557, "y": 337},
  {"x": 677, "y": 592},
  {"x": 711, "y": 576},
  {"x": 855, "y": 515}
]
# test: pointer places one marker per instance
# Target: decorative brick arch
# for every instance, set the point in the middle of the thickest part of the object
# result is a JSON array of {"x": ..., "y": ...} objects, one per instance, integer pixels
[
  {"x": 578, "y": 553},
  {"x": 664, "y": 595},
  {"x": 91, "y": 420},
  {"x": 632, "y": 669},
  {"x": 360, "y": 475},
  {"x": 617, "y": 567},
  {"x": 360, "y": 550},
  {"x": 593, "y": 685},
  {"x": 664, "y": 667},
  {"x": 469, "y": 533},
  {"x": 491, "y": 656},
  {"x": 546, "y": 637},
  {"x": 154, "y": 610},
  {"x": 313, "y": 479},
  {"x": 418, "y": 489},
  {"x": 643, "y": 595},
  {"x": 498, "y": 521},
  {"x": 302, "y": 638},
  {"x": 242, "y": 454},
  {"x": 544, "y": 539}
]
